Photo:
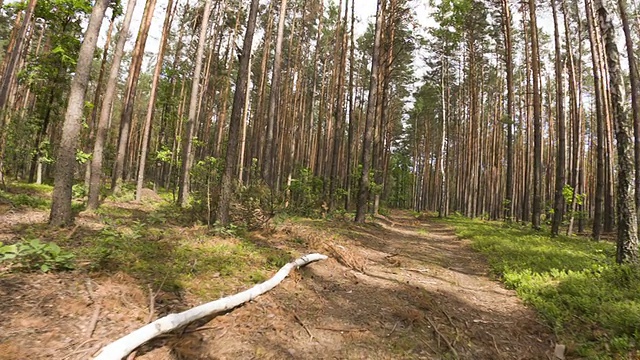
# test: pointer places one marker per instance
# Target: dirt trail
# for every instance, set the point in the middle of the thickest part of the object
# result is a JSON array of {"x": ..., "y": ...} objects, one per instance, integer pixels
[
  {"x": 423, "y": 294},
  {"x": 398, "y": 288}
]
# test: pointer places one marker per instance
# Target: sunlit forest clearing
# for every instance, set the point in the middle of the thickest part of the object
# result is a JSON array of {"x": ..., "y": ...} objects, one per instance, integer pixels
[{"x": 333, "y": 179}]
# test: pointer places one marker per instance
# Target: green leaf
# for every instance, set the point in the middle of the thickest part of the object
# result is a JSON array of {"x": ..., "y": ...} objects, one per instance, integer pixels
[
  {"x": 45, "y": 268},
  {"x": 9, "y": 249},
  {"x": 54, "y": 249}
]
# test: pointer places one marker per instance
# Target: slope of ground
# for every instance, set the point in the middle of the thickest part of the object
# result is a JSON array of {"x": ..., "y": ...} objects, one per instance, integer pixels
[{"x": 396, "y": 288}]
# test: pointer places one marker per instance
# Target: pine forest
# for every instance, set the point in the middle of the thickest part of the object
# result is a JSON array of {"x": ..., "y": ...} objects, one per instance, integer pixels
[{"x": 469, "y": 166}]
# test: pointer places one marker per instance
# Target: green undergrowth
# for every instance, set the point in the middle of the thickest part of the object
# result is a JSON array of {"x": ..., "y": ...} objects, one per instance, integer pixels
[
  {"x": 22, "y": 195},
  {"x": 152, "y": 249},
  {"x": 154, "y": 242},
  {"x": 592, "y": 303}
]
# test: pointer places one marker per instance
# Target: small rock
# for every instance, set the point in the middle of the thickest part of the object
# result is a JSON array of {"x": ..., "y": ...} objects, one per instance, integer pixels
[{"x": 558, "y": 353}]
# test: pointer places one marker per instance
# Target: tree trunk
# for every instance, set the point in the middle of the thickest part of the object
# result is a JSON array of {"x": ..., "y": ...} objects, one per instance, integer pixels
[
  {"x": 600, "y": 125},
  {"x": 96, "y": 99},
  {"x": 442, "y": 209},
  {"x": 105, "y": 111},
  {"x": 627, "y": 244},
  {"x": 152, "y": 100},
  {"x": 558, "y": 202},
  {"x": 189, "y": 128},
  {"x": 268, "y": 162},
  {"x": 508, "y": 206},
  {"x": 61, "y": 214},
  {"x": 635, "y": 87},
  {"x": 350, "y": 136},
  {"x": 8, "y": 79},
  {"x": 236, "y": 119},
  {"x": 130, "y": 95},
  {"x": 537, "y": 121},
  {"x": 363, "y": 192},
  {"x": 339, "y": 113}
]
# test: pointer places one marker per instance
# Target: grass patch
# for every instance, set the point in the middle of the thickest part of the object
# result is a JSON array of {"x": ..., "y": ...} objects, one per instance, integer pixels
[
  {"x": 209, "y": 266},
  {"x": 22, "y": 195},
  {"x": 592, "y": 304}
]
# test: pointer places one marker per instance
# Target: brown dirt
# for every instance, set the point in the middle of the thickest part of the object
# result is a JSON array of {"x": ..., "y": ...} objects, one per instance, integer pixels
[{"x": 398, "y": 288}]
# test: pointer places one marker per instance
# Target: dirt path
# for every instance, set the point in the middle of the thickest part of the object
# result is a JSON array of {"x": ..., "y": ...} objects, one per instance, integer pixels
[
  {"x": 398, "y": 288},
  {"x": 423, "y": 294}
]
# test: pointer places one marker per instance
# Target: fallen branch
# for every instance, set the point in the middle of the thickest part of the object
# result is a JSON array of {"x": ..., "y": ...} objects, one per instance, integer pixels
[
  {"x": 340, "y": 329},
  {"x": 303, "y": 325},
  {"x": 435, "y": 328},
  {"x": 93, "y": 322},
  {"x": 125, "y": 345}
]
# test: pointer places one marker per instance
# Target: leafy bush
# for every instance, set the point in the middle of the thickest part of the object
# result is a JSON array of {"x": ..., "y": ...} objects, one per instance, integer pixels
[
  {"x": 306, "y": 194},
  {"x": 79, "y": 191},
  {"x": 573, "y": 283},
  {"x": 35, "y": 255}
]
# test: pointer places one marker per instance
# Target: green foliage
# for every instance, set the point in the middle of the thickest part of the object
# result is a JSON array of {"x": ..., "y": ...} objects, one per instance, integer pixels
[
  {"x": 27, "y": 195},
  {"x": 82, "y": 157},
  {"x": 148, "y": 252},
  {"x": 306, "y": 194},
  {"x": 228, "y": 231},
  {"x": 205, "y": 177},
  {"x": 35, "y": 255},
  {"x": 572, "y": 282},
  {"x": 164, "y": 155},
  {"x": 79, "y": 191}
]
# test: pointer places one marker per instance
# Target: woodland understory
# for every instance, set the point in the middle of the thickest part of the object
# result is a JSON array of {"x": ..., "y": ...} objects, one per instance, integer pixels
[{"x": 241, "y": 111}]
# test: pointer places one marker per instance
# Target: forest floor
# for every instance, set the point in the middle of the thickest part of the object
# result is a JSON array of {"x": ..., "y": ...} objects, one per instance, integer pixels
[{"x": 395, "y": 288}]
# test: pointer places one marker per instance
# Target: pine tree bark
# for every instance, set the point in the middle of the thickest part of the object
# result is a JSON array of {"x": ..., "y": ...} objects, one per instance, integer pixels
[
  {"x": 61, "y": 214},
  {"x": 96, "y": 99},
  {"x": 363, "y": 191},
  {"x": 627, "y": 243},
  {"x": 537, "y": 121},
  {"x": 635, "y": 87},
  {"x": 506, "y": 18},
  {"x": 558, "y": 201},
  {"x": 189, "y": 128},
  {"x": 350, "y": 136},
  {"x": 268, "y": 162},
  {"x": 235, "y": 121},
  {"x": 152, "y": 100},
  {"x": 339, "y": 113},
  {"x": 8, "y": 79},
  {"x": 129, "y": 97},
  {"x": 97, "y": 156},
  {"x": 600, "y": 125}
]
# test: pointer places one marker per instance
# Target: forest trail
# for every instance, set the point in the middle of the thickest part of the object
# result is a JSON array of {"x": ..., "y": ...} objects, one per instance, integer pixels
[
  {"x": 421, "y": 293},
  {"x": 396, "y": 288}
]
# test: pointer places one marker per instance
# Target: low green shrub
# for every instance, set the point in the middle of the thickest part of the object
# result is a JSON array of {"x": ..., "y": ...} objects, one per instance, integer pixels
[
  {"x": 35, "y": 255},
  {"x": 574, "y": 284}
]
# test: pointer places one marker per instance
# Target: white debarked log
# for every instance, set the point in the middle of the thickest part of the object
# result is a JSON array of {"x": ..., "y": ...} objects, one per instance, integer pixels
[{"x": 126, "y": 344}]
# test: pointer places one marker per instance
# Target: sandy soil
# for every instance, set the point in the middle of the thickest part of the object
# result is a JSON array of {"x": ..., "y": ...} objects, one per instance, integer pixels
[{"x": 398, "y": 288}]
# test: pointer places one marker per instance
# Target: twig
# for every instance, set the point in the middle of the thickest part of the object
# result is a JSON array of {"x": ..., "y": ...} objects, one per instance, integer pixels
[
  {"x": 422, "y": 271},
  {"x": 77, "y": 349},
  {"x": 495, "y": 345},
  {"x": 454, "y": 326},
  {"x": 94, "y": 322},
  {"x": 73, "y": 231},
  {"x": 152, "y": 304},
  {"x": 429, "y": 346},
  {"x": 339, "y": 329},
  {"x": 204, "y": 328},
  {"x": 394, "y": 329},
  {"x": 89, "y": 288},
  {"x": 435, "y": 328},
  {"x": 303, "y": 325}
]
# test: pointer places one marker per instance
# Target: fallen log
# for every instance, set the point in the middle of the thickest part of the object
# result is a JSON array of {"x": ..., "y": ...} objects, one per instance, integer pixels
[{"x": 126, "y": 344}]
